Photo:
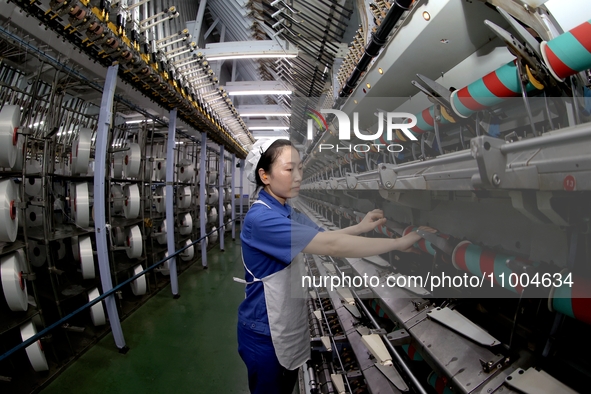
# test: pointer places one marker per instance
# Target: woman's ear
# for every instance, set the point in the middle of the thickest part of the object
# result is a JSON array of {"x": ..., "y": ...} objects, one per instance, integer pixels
[{"x": 264, "y": 177}]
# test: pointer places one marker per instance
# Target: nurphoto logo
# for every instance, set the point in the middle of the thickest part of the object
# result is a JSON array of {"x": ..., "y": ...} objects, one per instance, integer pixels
[{"x": 378, "y": 142}]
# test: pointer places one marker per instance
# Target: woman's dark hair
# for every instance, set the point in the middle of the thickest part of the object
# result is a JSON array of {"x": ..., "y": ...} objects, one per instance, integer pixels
[{"x": 268, "y": 158}]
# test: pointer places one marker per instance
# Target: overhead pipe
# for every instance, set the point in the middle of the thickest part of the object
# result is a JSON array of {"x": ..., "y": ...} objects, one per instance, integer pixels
[{"x": 377, "y": 41}]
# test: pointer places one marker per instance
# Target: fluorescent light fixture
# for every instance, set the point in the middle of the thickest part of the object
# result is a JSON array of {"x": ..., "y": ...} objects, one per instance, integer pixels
[
  {"x": 138, "y": 121},
  {"x": 266, "y": 114},
  {"x": 247, "y": 50},
  {"x": 271, "y": 138},
  {"x": 262, "y": 110},
  {"x": 251, "y": 56},
  {"x": 258, "y": 92},
  {"x": 269, "y": 128},
  {"x": 256, "y": 88},
  {"x": 266, "y": 125}
]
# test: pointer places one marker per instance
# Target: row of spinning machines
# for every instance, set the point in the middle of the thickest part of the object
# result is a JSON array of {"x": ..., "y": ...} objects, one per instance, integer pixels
[{"x": 48, "y": 246}]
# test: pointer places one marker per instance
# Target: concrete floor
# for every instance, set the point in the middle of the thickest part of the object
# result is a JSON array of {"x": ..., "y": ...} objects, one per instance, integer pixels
[{"x": 187, "y": 345}]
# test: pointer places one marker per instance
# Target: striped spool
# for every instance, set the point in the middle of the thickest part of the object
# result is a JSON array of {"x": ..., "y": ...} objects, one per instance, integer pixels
[
  {"x": 426, "y": 120},
  {"x": 573, "y": 301},
  {"x": 375, "y": 305},
  {"x": 384, "y": 230},
  {"x": 482, "y": 262},
  {"x": 358, "y": 155},
  {"x": 412, "y": 353},
  {"x": 423, "y": 245},
  {"x": 397, "y": 138},
  {"x": 439, "y": 383},
  {"x": 488, "y": 91},
  {"x": 568, "y": 53}
]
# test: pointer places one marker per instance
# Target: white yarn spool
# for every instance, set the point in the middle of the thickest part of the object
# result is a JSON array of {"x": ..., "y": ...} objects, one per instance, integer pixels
[
  {"x": 20, "y": 153},
  {"x": 75, "y": 247},
  {"x": 161, "y": 237},
  {"x": 86, "y": 257},
  {"x": 117, "y": 162},
  {"x": 134, "y": 242},
  {"x": 165, "y": 267},
  {"x": 117, "y": 197},
  {"x": 186, "y": 171},
  {"x": 212, "y": 178},
  {"x": 160, "y": 170},
  {"x": 183, "y": 198},
  {"x": 20, "y": 214},
  {"x": 118, "y": 236},
  {"x": 186, "y": 224},
  {"x": 8, "y": 211},
  {"x": 223, "y": 212},
  {"x": 33, "y": 185},
  {"x": 80, "y": 155},
  {"x": 131, "y": 206},
  {"x": 34, "y": 350},
  {"x": 212, "y": 216},
  {"x": 9, "y": 122},
  {"x": 206, "y": 243},
  {"x": 139, "y": 286},
  {"x": 37, "y": 253},
  {"x": 160, "y": 200},
  {"x": 61, "y": 249},
  {"x": 34, "y": 216},
  {"x": 14, "y": 286},
  {"x": 82, "y": 205},
  {"x": 228, "y": 210},
  {"x": 132, "y": 160},
  {"x": 214, "y": 196},
  {"x": 97, "y": 311},
  {"x": 148, "y": 169},
  {"x": 224, "y": 192},
  {"x": 228, "y": 194},
  {"x": 90, "y": 169},
  {"x": 213, "y": 237},
  {"x": 189, "y": 253}
]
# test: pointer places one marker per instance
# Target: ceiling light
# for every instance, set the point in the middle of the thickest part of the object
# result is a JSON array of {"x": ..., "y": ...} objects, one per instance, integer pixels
[
  {"x": 250, "y": 56},
  {"x": 138, "y": 121},
  {"x": 243, "y": 88},
  {"x": 269, "y": 128},
  {"x": 380, "y": 71},
  {"x": 267, "y": 114},
  {"x": 247, "y": 50},
  {"x": 368, "y": 85},
  {"x": 258, "y": 92},
  {"x": 426, "y": 16}
]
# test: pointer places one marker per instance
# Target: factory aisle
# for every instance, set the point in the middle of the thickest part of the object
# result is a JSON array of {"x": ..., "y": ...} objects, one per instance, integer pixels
[{"x": 186, "y": 345}]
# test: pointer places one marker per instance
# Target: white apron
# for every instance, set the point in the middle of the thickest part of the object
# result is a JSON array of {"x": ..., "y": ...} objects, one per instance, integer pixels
[{"x": 288, "y": 314}]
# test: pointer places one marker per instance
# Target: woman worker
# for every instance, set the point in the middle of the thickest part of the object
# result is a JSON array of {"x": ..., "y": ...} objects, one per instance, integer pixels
[{"x": 273, "y": 336}]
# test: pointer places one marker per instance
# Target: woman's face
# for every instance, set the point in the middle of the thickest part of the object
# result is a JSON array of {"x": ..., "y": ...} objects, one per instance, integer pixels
[{"x": 285, "y": 177}]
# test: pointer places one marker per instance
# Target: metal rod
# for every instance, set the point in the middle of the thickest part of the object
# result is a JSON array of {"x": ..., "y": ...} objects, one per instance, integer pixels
[
  {"x": 418, "y": 386},
  {"x": 565, "y": 136}
]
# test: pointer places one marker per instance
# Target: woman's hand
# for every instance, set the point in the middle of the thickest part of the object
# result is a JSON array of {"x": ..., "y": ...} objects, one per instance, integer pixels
[
  {"x": 413, "y": 237},
  {"x": 372, "y": 220}
]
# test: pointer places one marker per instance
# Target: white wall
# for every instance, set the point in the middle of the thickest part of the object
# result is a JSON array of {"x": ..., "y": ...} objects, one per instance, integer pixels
[{"x": 570, "y": 13}]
